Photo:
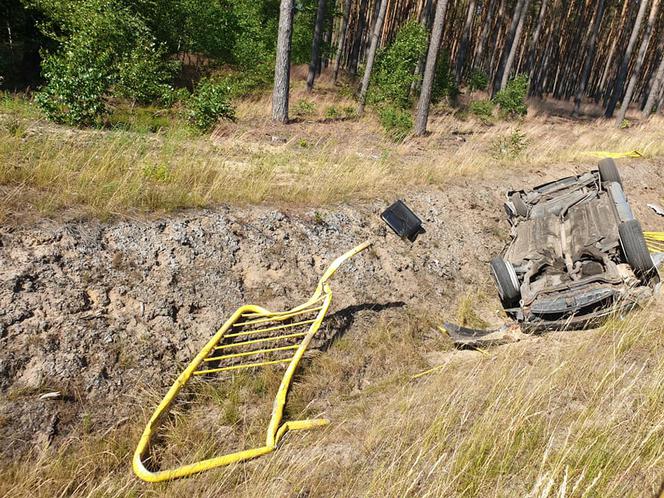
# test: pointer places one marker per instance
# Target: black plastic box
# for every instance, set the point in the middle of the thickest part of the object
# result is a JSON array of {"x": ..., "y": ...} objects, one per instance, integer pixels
[{"x": 403, "y": 221}]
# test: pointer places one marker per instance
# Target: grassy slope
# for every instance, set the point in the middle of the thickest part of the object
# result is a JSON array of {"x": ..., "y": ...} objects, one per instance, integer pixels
[
  {"x": 45, "y": 170},
  {"x": 576, "y": 414}
]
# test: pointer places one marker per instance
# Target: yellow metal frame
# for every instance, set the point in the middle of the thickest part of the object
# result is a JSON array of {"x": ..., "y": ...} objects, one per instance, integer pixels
[
  {"x": 654, "y": 241},
  {"x": 320, "y": 301}
]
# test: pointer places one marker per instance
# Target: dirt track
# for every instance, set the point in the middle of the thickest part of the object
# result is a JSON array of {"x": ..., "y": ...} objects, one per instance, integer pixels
[{"x": 98, "y": 310}]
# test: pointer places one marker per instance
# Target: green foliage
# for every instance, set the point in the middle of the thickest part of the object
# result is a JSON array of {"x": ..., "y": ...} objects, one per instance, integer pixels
[
  {"x": 509, "y": 146},
  {"x": 346, "y": 112},
  {"x": 304, "y": 109},
  {"x": 478, "y": 80},
  {"x": 395, "y": 67},
  {"x": 142, "y": 119},
  {"x": 256, "y": 24},
  {"x": 143, "y": 75},
  {"x": 333, "y": 112},
  {"x": 397, "y": 122},
  {"x": 512, "y": 100},
  {"x": 443, "y": 82},
  {"x": 77, "y": 79},
  {"x": 349, "y": 112},
  {"x": 483, "y": 109},
  {"x": 174, "y": 96},
  {"x": 209, "y": 103},
  {"x": 159, "y": 173},
  {"x": 102, "y": 45}
]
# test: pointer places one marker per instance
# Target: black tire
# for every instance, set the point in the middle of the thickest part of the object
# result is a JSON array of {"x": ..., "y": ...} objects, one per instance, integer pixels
[
  {"x": 635, "y": 249},
  {"x": 608, "y": 171},
  {"x": 519, "y": 206},
  {"x": 504, "y": 276}
]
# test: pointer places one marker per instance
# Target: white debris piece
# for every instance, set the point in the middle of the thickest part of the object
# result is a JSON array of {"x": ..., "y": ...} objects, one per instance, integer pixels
[{"x": 657, "y": 208}]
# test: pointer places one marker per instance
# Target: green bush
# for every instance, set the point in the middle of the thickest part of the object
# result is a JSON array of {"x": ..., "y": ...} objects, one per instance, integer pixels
[
  {"x": 349, "y": 112},
  {"x": 483, "y": 109},
  {"x": 77, "y": 79},
  {"x": 208, "y": 104},
  {"x": 512, "y": 100},
  {"x": 304, "y": 109},
  {"x": 397, "y": 122},
  {"x": 103, "y": 45},
  {"x": 509, "y": 146},
  {"x": 143, "y": 75},
  {"x": 443, "y": 82},
  {"x": 333, "y": 112},
  {"x": 394, "y": 71},
  {"x": 478, "y": 80},
  {"x": 174, "y": 96}
]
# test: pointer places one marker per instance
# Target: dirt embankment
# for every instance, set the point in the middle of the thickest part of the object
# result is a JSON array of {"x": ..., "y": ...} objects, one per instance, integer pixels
[{"x": 99, "y": 311}]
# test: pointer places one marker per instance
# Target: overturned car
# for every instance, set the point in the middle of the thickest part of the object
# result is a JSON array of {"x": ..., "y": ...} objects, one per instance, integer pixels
[{"x": 576, "y": 252}]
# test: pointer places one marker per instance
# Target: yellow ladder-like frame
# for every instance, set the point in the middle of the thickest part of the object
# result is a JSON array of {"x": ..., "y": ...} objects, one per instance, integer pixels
[{"x": 320, "y": 301}]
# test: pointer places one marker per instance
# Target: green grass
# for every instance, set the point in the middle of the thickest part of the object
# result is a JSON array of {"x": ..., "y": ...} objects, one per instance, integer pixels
[{"x": 151, "y": 161}]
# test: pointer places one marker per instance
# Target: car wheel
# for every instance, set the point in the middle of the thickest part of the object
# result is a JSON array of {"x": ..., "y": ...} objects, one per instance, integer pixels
[
  {"x": 635, "y": 249},
  {"x": 519, "y": 206},
  {"x": 506, "y": 281},
  {"x": 608, "y": 171}
]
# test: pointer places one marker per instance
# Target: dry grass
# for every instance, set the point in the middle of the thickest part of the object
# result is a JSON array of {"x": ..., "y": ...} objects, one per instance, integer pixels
[
  {"x": 568, "y": 415},
  {"x": 47, "y": 170}
]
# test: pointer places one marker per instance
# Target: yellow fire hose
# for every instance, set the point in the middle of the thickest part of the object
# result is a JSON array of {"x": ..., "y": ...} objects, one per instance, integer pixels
[{"x": 258, "y": 326}]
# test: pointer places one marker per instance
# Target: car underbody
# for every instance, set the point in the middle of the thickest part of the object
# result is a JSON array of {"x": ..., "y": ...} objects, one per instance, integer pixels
[{"x": 574, "y": 254}]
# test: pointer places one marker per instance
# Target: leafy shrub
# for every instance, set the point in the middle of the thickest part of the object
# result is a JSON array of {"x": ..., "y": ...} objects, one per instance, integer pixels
[
  {"x": 509, "y": 146},
  {"x": 483, "y": 109},
  {"x": 395, "y": 66},
  {"x": 103, "y": 44},
  {"x": 143, "y": 75},
  {"x": 78, "y": 78},
  {"x": 174, "y": 96},
  {"x": 345, "y": 112},
  {"x": 478, "y": 80},
  {"x": 349, "y": 112},
  {"x": 209, "y": 103},
  {"x": 160, "y": 173},
  {"x": 397, "y": 122},
  {"x": 512, "y": 100},
  {"x": 304, "y": 109},
  {"x": 332, "y": 112},
  {"x": 443, "y": 82}
]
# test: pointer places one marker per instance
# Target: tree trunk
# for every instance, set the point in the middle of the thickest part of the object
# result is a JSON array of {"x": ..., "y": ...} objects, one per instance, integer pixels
[
  {"x": 507, "y": 47},
  {"x": 589, "y": 56},
  {"x": 514, "y": 45},
  {"x": 425, "y": 20},
  {"x": 430, "y": 69},
  {"x": 533, "y": 45},
  {"x": 357, "y": 42},
  {"x": 655, "y": 89},
  {"x": 479, "y": 48},
  {"x": 624, "y": 66},
  {"x": 315, "y": 45},
  {"x": 641, "y": 56},
  {"x": 282, "y": 64},
  {"x": 371, "y": 56},
  {"x": 342, "y": 39},
  {"x": 465, "y": 40}
]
